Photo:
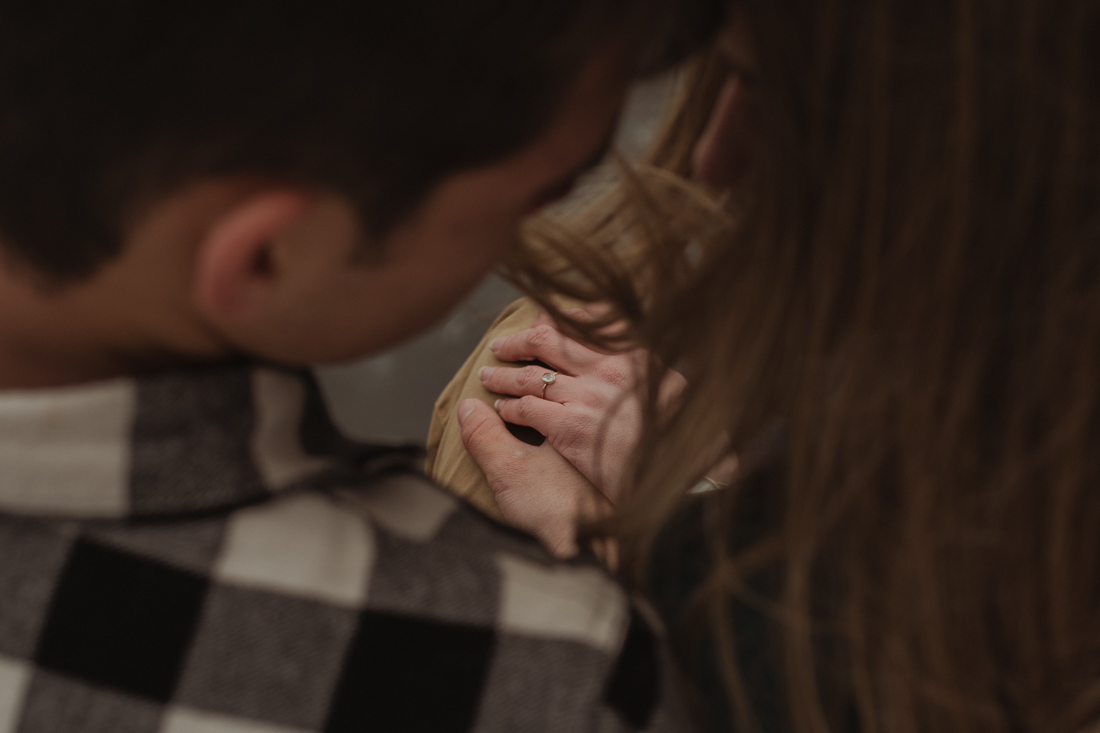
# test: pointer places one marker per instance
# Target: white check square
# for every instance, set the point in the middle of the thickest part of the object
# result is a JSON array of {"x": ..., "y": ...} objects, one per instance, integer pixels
[
  {"x": 186, "y": 720},
  {"x": 568, "y": 603},
  {"x": 14, "y": 678},
  {"x": 68, "y": 449},
  {"x": 277, "y": 451},
  {"x": 305, "y": 545}
]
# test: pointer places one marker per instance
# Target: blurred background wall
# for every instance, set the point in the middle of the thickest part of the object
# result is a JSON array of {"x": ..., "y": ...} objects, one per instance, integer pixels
[{"x": 389, "y": 397}]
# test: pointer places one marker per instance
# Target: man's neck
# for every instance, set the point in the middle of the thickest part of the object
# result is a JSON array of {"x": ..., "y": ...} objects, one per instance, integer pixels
[
  {"x": 58, "y": 335},
  {"x": 130, "y": 316}
]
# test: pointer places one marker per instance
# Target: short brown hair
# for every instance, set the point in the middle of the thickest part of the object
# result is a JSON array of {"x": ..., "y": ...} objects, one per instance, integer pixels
[{"x": 105, "y": 104}]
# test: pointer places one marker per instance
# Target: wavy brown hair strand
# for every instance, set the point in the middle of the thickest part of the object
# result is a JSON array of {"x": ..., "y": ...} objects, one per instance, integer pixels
[{"x": 908, "y": 279}]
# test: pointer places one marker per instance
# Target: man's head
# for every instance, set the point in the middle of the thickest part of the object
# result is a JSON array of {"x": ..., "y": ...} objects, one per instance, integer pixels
[{"x": 221, "y": 138}]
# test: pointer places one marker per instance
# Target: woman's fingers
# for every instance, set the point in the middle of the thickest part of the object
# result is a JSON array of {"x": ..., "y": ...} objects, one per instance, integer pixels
[
  {"x": 546, "y": 344},
  {"x": 522, "y": 381},
  {"x": 534, "y": 412}
]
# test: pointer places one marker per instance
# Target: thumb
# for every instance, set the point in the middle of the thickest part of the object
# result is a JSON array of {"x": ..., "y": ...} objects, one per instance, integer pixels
[{"x": 483, "y": 431}]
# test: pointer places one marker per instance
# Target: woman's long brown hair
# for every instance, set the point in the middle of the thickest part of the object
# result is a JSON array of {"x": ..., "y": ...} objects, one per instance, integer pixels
[{"x": 908, "y": 280}]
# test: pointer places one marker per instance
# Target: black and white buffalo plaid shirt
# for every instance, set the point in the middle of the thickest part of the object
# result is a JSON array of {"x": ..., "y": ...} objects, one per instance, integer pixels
[{"x": 202, "y": 552}]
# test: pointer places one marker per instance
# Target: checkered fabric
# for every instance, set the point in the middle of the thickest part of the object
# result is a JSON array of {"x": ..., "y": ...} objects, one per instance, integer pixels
[{"x": 203, "y": 552}]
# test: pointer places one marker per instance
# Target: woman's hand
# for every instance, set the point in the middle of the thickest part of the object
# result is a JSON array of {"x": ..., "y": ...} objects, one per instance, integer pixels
[
  {"x": 536, "y": 488},
  {"x": 591, "y": 411}
]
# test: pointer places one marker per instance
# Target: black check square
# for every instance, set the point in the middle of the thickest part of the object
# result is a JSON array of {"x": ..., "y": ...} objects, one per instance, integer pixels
[
  {"x": 408, "y": 674},
  {"x": 636, "y": 681},
  {"x": 121, "y": 621}
]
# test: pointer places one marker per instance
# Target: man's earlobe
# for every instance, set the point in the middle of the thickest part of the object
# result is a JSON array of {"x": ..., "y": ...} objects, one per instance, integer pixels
[{"x": 235, "y": 267}]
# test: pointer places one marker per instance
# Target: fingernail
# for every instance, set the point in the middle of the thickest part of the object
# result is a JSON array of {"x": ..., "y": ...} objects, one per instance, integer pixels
[
  {"x": 465, "y": 409},
  {"x": 499, "y": 404},
  {"x": 496, "y": 344},
  {"x": 485, "y": 372}
]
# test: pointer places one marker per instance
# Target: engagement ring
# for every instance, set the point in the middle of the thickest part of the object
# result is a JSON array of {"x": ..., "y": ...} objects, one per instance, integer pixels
[{"x": 548, "y": 379}]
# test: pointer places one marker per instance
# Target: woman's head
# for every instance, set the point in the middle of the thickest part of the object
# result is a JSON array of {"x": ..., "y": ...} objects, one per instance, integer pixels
[{"x": 908, "y": 277}]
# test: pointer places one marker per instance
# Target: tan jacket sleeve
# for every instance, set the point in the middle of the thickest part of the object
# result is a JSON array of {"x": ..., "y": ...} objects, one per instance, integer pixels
[{"x": 448, "y": 462}]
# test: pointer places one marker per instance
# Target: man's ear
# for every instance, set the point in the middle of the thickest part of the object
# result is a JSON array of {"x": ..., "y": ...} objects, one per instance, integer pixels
[{"x": 235, "y": 269}]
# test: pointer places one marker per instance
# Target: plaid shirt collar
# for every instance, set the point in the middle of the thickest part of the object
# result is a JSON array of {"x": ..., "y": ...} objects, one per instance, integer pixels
[{"x": 184, "y": 442}]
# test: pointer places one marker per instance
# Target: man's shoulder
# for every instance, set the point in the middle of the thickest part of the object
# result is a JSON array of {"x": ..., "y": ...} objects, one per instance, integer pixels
[
  {"x": 437, "y": 557},
  {"x": 388, "y": 604}
]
